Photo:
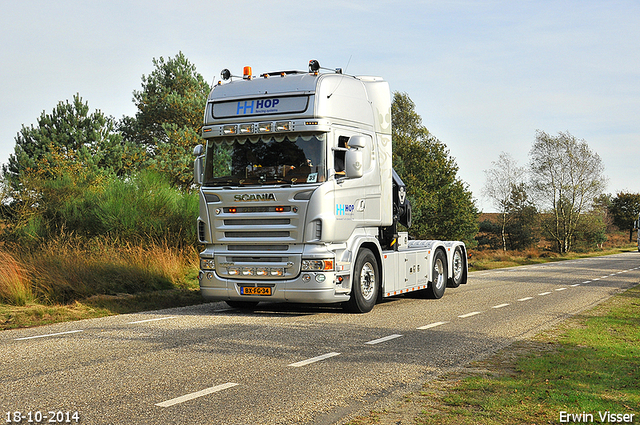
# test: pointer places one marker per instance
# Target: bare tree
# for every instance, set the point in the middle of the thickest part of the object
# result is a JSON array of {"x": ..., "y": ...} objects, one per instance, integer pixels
[
  {"x": 501, "y": 179},
  {"x": 566, "y": 176}
]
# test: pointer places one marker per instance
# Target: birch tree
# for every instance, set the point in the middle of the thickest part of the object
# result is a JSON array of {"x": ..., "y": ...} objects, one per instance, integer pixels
[
  {"x": 566, "y": 176},
  {"x": 501, "y": 180}
]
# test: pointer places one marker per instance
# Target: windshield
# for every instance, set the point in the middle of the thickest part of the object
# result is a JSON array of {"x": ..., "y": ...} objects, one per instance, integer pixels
[{"x": 266, "y": 160}]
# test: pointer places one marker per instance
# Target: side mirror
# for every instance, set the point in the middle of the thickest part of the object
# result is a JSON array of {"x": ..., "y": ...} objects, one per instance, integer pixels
[
  {"x": 353, "y": 157},
  {"x": 353, "y": 164},
  {"x": 198, "y": 164},
  {"x": 357, "y": 142}
]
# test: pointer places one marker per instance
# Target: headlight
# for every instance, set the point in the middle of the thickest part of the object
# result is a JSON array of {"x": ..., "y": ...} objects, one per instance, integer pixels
[
  {"x": 318, "y": 265},
  {"x": 207, "y": 264}
]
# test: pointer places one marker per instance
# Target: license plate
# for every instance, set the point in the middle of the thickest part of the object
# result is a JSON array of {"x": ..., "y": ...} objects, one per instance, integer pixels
[{"x": 252, "y": 290}]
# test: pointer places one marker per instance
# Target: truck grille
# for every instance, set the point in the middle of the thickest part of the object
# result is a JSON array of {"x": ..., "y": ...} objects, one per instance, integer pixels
[
  {"x": 262, "y": 247},
  {"x": 264, "y": 234}
]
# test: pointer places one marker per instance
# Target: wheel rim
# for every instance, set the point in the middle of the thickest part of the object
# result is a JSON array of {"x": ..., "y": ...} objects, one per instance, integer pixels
[
  {"x": 367, "y": 281},
  {"x": 457, "y": 266},
  {"x": 439, "y": 269}
]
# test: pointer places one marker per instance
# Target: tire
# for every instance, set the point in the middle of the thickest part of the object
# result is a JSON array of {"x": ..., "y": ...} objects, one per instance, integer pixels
[
  {"x": 439, "y": 282},
  {"x": 366, "y": 283},
  {"x": 242, "y": 305},
  {"x": 459, "y": 268}
]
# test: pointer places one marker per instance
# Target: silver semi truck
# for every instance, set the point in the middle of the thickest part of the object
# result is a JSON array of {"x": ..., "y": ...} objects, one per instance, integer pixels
[{"x": 299, "y": 201}]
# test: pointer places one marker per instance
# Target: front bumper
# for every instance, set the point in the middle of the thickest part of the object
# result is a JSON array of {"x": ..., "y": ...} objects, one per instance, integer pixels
[{"x": 308, "y": 287}]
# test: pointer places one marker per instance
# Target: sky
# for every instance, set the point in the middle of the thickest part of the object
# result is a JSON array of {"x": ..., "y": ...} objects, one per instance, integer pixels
[{"x": 484, "y": 75}]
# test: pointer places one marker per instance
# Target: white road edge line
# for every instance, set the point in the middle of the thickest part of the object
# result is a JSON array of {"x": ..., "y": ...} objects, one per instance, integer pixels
[
  {"x": 500, "y": 305},
  {"x": 431, "y": 325},
  {"x": 525, "y": 299},
  {"x": 383, "y": 339},
  {"x": 473, "y": 313},
  {"x": 314, "y": 359},
  {"x": 197, "y": 394},
  {"x": 150, "y": 320},
  {"x": 544, "y": 293},
  {"x": 48, "y": 335}
]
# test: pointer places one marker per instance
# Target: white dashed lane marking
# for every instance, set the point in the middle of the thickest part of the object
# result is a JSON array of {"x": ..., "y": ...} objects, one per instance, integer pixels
[
  {"x": 314, "y": 359},
  {"x": 384, "y": 339},
  {"x": 47, "y": 335},
  {"x": 500, "y": 305},
  {"x": 432, "y": 325},
  {"x": 197, "y": 394},
  {"x": 525, "y": 299},
  {"x": 473, "y": 313},
  {"x": 150, "y": 320}
]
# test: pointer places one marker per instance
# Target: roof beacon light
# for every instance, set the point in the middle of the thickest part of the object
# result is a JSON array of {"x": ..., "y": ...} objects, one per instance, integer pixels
[{"x": 246, "y": 73}]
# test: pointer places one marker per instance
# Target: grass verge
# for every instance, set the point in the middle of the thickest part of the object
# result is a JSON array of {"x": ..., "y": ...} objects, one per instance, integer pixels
[
  {"x": 31, "y": 315},
  {"x": 72, "y": 278},
  {"x": 589, "y": 366},
  {"x": 496, "y": 259}
]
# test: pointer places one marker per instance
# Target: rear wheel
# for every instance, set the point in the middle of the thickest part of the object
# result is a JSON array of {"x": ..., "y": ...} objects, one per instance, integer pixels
[
  {"x": 364, "y": 290},
  {"x": 459, "y": 269},
  {"x": 439, "y": 276}
]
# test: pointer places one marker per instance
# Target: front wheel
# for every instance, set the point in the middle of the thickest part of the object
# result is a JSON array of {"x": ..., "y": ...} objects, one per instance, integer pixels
[
  {"x": 439, "y": 276},
  {"x": 364, "y": 289}
]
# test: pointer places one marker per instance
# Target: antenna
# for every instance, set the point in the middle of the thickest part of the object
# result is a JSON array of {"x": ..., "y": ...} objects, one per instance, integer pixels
[{"x": 334, "y": 90}]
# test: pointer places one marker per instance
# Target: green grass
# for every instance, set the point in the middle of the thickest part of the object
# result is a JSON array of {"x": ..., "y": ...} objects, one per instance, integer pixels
[{"x": 589, "y": 364}]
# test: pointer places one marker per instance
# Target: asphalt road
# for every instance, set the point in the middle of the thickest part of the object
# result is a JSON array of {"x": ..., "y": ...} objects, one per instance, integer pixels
[{"x": 285, "y": 364}]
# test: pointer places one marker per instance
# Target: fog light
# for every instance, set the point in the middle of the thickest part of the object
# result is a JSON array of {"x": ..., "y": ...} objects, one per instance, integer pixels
[
  {"x": 320, "y": 278},
  {"x": 306, "y": 278},
  {"x": 276, "y": 272}
]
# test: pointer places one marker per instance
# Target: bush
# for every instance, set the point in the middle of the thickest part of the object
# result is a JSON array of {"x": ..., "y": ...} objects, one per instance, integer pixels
[{"x": 141, "y": 208}]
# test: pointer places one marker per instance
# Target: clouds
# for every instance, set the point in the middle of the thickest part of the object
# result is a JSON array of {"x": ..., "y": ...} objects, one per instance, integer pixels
[{"x": 484, "y": 75}]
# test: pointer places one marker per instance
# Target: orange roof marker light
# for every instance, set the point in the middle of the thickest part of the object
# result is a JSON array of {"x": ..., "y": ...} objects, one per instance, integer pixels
[{"x": 246, "y": 73}]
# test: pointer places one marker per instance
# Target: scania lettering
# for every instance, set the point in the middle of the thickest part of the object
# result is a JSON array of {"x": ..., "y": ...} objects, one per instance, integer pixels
[
  {"x": 255, "y": 197},
  {"x": 299, "y": 201}
]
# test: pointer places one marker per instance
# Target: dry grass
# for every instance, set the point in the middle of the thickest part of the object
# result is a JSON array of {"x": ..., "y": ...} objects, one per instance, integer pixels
[
  {"x": 15, "y": 285},
  {"x": 72, "y": 278},
  {"x": 494, "y": 259},
  {"x": 68, "y": 269}
]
